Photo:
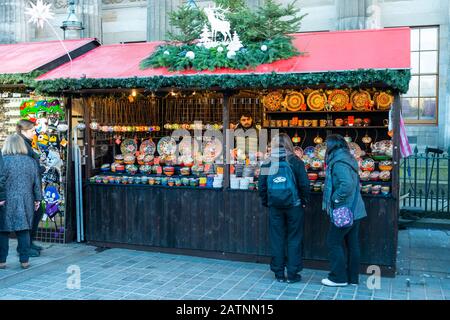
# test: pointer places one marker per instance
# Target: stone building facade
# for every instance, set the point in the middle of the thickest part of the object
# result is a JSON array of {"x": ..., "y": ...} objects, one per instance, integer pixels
[{"x": 426, "y": 108}]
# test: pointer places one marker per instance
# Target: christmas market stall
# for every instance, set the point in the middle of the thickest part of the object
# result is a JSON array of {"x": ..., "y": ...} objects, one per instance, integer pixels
[
  {"x": 21, "y": 64},
  {"x": 158, "y": 178}
]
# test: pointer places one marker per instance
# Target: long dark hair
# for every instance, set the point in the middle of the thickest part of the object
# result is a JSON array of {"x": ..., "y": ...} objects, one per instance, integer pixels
[{"x": 335, "y": 142}]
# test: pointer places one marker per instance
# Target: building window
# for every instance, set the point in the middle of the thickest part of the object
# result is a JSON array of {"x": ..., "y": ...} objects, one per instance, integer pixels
[{"x": 420, "y": 103}]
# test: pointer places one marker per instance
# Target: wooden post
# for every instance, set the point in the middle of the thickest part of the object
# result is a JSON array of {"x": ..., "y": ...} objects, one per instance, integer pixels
[
  {"x": 226, "y": 126},
  {"x": 87, "y": 138},
  {"x": 396, "y": 109}
]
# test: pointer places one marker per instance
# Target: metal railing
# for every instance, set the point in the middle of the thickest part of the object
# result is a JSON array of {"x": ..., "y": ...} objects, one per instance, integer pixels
[{"x": 425, "y": 182}]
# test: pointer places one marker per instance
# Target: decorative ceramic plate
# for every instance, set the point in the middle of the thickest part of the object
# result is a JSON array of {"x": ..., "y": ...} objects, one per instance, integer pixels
[
  {"x": 360, "y": 99},
  {"x": 384, "y": 100},
  {"x": 167, "y": 146},
  {"x": 128, "y": 146},
  {"x": 309, "y": 151},
  {"x": 273, "y": 100},
  {"x": 298, "y": 151},
  {"x": 339, "y": 99},
  {"x": 316, "y": 100},
  {"x": 355, "y": 150},
  {"x": 147, "y": 147},
  {"x": 320, "y": 151},
  {"x": 294, "y": 101},
  {"x": 212, "y": 150}
]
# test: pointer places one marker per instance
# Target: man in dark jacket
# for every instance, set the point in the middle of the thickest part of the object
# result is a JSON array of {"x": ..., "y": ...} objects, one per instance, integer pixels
[{"x": 286, "y": 224}]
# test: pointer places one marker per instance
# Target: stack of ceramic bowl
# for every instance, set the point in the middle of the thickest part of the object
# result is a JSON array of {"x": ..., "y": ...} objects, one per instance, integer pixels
[
  {"x": 218, "y": 181},
  {"x": 234, "y": 183}
]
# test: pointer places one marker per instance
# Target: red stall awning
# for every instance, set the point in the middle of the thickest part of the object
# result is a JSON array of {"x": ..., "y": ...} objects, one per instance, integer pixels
[
  {"x": 26, "y": 57},
  {"x": 326, "y": 51}
]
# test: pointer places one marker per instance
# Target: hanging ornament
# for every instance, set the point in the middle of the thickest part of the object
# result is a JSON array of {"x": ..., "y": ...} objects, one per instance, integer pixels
[
  {"x": 366, "y": 139},
  {"x": 62, "y": 127},
  {"x": 190, "y": 55},
  {"x": 166, "y": 53},
  {"x": 63, "y": 142},
  {"x": 94, "y": 125},
  {"x": 220, "y": 49},
  {"x": 231, "y": 54},
  {"x": 296, "y": 138},
  {"x": 347, "y": 138},
  {"x": 264, "y": 47},
  {"x": 318, "y": 139}
]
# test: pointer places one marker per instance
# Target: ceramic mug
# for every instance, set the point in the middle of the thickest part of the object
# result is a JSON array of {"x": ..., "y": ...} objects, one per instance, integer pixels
[
  {"x": 323, "y": 123},
  {"x": 315, "y": 123}
]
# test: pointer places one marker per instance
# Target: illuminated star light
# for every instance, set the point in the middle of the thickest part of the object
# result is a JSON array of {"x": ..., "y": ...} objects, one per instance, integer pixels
[{"x": 39, "y": 13}]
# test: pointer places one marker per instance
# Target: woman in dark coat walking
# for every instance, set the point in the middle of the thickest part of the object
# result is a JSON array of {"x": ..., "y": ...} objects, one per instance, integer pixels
[
  {"x": 23, "y": 197},
  {"x": 26, "y": 129},
  {"x": 342, "y": 190},
  {"x": 286, "y": 222}
]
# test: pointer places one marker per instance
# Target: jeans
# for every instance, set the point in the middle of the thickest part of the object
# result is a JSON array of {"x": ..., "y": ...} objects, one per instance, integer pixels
[
  {"x": 344, "y": 268},
  {"x": 37, "y": 217},
  {"x": 286, "y": 238},
  {"x": 23, "y": 240}
]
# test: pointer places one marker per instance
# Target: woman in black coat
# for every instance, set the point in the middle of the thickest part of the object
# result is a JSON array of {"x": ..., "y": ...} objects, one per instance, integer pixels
[
  {"x": 26, "y": 129},
  {"x": 23, "y": 197},
  {"x": 2, "y": 183}
]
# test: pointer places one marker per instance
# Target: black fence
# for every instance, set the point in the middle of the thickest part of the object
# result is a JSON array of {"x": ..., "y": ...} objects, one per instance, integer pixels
[{"x": 425, "y": 182}]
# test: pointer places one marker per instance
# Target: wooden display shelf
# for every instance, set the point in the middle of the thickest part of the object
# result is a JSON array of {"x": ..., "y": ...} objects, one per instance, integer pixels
[
  {"x": 329, "y": 128},
  {"x": 323, "y": 111}
]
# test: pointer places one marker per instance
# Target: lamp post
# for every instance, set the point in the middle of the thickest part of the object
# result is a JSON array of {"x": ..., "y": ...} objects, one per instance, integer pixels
[{"x": 72, "y": 27}]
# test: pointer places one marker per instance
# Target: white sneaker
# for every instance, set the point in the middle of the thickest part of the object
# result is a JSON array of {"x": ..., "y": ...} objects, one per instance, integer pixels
[{"x": 327, "y": 282}]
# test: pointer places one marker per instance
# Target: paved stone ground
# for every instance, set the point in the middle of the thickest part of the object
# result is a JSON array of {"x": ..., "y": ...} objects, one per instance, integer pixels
[{"x": 423, "y": 264}]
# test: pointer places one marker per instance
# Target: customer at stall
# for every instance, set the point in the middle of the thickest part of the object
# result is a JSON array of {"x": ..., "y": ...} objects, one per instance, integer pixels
[
  {"x": 27, "y": 130},
  {"x": 23, "y": 197},
  {"x": 342, "y": 192},
  {"x": 246, "y": 135},
  {"x": 284, "y": 189},
  {"x": 2, "y": 184}
]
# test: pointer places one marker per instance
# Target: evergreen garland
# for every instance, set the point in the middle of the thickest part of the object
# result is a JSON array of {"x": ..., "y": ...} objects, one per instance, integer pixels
[
  {"x": 26, "y": 79},
  {"x": 267, "y": 27},
  {"x": 397, "y": 80}
]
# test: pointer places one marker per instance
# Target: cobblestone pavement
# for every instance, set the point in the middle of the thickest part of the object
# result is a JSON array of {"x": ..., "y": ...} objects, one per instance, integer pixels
[{"x": 423, "y": 273}]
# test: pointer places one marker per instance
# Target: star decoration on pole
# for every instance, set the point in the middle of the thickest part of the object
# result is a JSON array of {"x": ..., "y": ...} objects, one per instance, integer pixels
[{"x": 39, "y": 13}]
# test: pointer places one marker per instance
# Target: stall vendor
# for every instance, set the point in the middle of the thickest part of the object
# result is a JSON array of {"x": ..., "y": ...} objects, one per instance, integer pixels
[{"x": 246, "y": 138}]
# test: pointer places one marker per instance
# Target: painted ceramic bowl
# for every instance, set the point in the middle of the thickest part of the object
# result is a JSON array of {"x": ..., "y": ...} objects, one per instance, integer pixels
[
  {"x": 145, "y": 169},
  {"x": 129, "y": 159},
  {"x": 169, "y": 171},
  {"x": 148, "y": 159},
  {"x": 368, "y": 164},
  {"x": 120, "y": 168},
  {"x": 385, "y": 175},
  {"x": 374, "y": 176},
  {"x": 140, "y": 159},
  {"x": 131, "y": 169},
  {"x": 185, "y": 171},
  {"x": 385, "y": 165},
  {"x": 364, "y": 175},
  {"x": 313, "y": 176},
  {"x": 118, "y": 158}
]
